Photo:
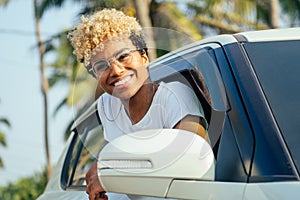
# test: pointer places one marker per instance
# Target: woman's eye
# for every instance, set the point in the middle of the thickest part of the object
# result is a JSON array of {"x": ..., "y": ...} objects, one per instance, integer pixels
[
  {"x": 100, "y": 67},
  {"x": 123, "y": 57}
]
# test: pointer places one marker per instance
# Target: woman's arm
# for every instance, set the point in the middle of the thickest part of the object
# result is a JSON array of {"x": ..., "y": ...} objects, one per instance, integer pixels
[
  {"x": 193, "y": 124},
  {"x": 94, "y": 188}
]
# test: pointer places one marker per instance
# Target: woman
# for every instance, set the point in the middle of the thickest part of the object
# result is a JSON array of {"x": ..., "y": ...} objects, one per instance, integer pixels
[{"x": 112, "y": 47}]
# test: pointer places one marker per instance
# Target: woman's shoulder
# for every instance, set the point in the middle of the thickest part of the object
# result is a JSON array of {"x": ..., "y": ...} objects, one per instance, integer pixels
[
  {"x": 106, "y": 100},
  {"x": 107, "y": 97},
  {"x": 174, "y": 86},
  {"x": 171, "y": 84}
]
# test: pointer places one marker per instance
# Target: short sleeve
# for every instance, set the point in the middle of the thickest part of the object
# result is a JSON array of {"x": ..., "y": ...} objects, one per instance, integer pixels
[{"x": 180, "y": 102}]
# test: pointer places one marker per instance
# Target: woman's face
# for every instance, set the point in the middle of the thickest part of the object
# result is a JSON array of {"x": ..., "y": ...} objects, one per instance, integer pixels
[{"x": 127, "y": 71}]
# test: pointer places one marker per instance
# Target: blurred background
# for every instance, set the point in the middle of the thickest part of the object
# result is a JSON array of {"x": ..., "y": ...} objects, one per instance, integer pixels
[{"x": 43, "y": 88}]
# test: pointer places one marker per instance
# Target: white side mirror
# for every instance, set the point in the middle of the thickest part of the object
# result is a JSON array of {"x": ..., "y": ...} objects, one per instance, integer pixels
[{"x": 146, "y": 162}]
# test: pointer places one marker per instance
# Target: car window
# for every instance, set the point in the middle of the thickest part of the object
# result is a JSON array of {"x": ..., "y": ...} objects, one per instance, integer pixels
[
  {"x": 206, "y": 66},
  {"x": 92, "y": 141},
  {"x": 201, "y": 61},
  {"x": 197, "y": 68},
  {"x": 277, "y": 67},
  {"x": 87, "y": 142}
]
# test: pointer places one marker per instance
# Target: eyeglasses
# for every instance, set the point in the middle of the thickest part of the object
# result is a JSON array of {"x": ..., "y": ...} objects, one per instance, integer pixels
[{"x": 121, "y": 58}]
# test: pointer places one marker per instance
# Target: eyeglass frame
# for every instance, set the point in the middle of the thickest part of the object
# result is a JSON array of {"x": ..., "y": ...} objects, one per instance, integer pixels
[{"x": 90, "y": 67}]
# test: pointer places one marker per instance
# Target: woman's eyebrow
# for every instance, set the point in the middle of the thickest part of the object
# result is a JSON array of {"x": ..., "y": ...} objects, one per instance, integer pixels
[{"x": 120, "y": 51}]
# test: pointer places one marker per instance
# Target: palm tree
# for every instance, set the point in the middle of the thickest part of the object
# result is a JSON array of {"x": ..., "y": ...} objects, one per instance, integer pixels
[
  {"x": 242, "y": 15},
  {"x": 143, "y": 14},
  {"x": 274, "y": 13},
  {"x": 83, "y": 88},
  {"x": 44, "y": 82},
  {"x": 38, "y": 14},
  {"x": 270, "y": 11},
  {"x": 224, "y": 16}
]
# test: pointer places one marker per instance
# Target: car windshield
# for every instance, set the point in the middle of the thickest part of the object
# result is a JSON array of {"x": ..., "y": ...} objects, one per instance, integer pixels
[{"x": 277, "y": 67}]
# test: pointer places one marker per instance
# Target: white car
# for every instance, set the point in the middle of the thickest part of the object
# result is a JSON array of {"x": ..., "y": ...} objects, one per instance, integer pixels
[{"x": 248, "y": 84}]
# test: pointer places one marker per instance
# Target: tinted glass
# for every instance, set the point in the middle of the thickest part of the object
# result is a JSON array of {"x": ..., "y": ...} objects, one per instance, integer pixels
[
  {"x": 277, "y": 65},
  {"x": 84, "y": 149},
  {"x": 195, "y": 65},
  {"x": 85, "y": 152},
  {"x": 206, "y": 62},
  {"x": 201, "y": 64}
]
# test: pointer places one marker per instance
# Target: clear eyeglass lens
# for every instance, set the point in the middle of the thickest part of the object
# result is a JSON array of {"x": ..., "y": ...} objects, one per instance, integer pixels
[
  {"x": 100, "y": 66},
  {"x": 122, "y": 59}
]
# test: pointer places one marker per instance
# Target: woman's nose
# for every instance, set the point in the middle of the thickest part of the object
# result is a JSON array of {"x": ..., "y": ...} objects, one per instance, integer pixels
[{"x": 117, "y": 69}]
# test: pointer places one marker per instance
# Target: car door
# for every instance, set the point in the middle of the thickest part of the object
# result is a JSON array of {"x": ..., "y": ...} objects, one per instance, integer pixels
[
  {"x": 229, "y": 131},
  {"x": 199, "y": 67},
  {"x": 205, "y": 68},
  {"x": 275, "y": 72}
]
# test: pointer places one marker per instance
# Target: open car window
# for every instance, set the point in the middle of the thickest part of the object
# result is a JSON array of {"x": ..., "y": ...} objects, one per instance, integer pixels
[
  {"x": 196, "y": 68},
  {"x": 199, "y": 69}
]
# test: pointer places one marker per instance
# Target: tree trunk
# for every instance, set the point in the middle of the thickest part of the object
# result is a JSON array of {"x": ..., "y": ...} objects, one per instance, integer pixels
[
  {"x": 274, "y": 13},
  {"x": 44, "y": 86},
  {"x": 143, "y": 9}
]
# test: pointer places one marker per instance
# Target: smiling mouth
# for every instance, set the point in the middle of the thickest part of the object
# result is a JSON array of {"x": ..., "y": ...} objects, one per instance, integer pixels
[{"x": 123, "y": 81}]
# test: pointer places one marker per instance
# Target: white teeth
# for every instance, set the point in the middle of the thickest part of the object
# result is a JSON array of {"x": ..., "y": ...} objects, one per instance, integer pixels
[{"x": 127, "y": 78}]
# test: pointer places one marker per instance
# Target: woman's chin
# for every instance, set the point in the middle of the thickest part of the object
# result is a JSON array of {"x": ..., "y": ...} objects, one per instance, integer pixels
[{"x": 123, "y": 96}]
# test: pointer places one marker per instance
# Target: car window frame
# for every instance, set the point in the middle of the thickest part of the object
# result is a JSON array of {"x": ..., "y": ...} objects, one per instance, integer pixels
[{"x": 79, "y": 125}]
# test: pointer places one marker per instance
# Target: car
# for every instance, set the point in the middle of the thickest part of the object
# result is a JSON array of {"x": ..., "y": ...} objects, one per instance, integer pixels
[{"x": 248, "y": 84}]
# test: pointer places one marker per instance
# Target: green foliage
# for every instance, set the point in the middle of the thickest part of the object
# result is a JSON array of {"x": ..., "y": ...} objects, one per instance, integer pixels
[
  {"x": 174, "y": 19},
  {"x": 2, "y": 137},
  {"x": 1, "y": 163},
  {"x": 25, "y": 189},
  {"x": 227, "y": 17},
  {"x": 292, "y": 8},
  {"x": 93, "y": 5},
  {"x": 5, "y": 121},
  {"x": 47, "y": 4},
  {"x": 3, "y": 2},
  {"x": 243, "y": 15}
]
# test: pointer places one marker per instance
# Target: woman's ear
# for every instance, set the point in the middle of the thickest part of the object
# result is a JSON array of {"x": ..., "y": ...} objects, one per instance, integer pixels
[{"x": 145, "y": 58}]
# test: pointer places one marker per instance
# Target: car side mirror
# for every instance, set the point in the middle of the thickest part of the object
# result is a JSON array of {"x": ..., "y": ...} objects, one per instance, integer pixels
[{"x": 147, "y": 162}]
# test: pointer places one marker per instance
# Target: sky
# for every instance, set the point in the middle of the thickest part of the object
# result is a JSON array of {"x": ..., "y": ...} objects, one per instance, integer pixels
[{"x": 20, "y": 93}]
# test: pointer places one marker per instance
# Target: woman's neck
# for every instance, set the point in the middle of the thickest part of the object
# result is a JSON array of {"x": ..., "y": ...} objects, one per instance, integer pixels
[{"x": 138, "y": 105}]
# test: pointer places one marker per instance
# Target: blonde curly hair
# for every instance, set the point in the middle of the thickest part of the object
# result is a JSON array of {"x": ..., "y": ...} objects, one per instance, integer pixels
[{"x": 88, "y": 36}]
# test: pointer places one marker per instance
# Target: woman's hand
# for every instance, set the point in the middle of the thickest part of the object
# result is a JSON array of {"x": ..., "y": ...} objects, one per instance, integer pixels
[{"x": 94, "y": 188}]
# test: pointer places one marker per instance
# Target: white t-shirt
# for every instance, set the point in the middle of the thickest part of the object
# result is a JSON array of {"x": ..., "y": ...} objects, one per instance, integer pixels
[{"x": 171, "y": 103}]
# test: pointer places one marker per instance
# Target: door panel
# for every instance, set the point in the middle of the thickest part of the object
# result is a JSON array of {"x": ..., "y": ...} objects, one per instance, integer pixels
[
  {"x": 272, "y": 191},
  {"x": 199, "y": 190}
]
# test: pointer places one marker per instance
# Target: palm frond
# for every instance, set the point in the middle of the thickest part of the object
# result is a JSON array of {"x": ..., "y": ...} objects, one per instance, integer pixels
[
  {"x": 47, "y": 4},
  {"x": 5, "y": 121},
  {"x": 2, "y": 139},
  {"x": 59, "y": 106},
  {"x": 1, "y": 163}
]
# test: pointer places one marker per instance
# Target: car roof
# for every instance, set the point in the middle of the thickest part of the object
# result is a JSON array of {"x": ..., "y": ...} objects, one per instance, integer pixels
[
  {"x": 253, "y": 36},
  {"x": 250, "y": 36},
  {"x": 271, "y": 35}
]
